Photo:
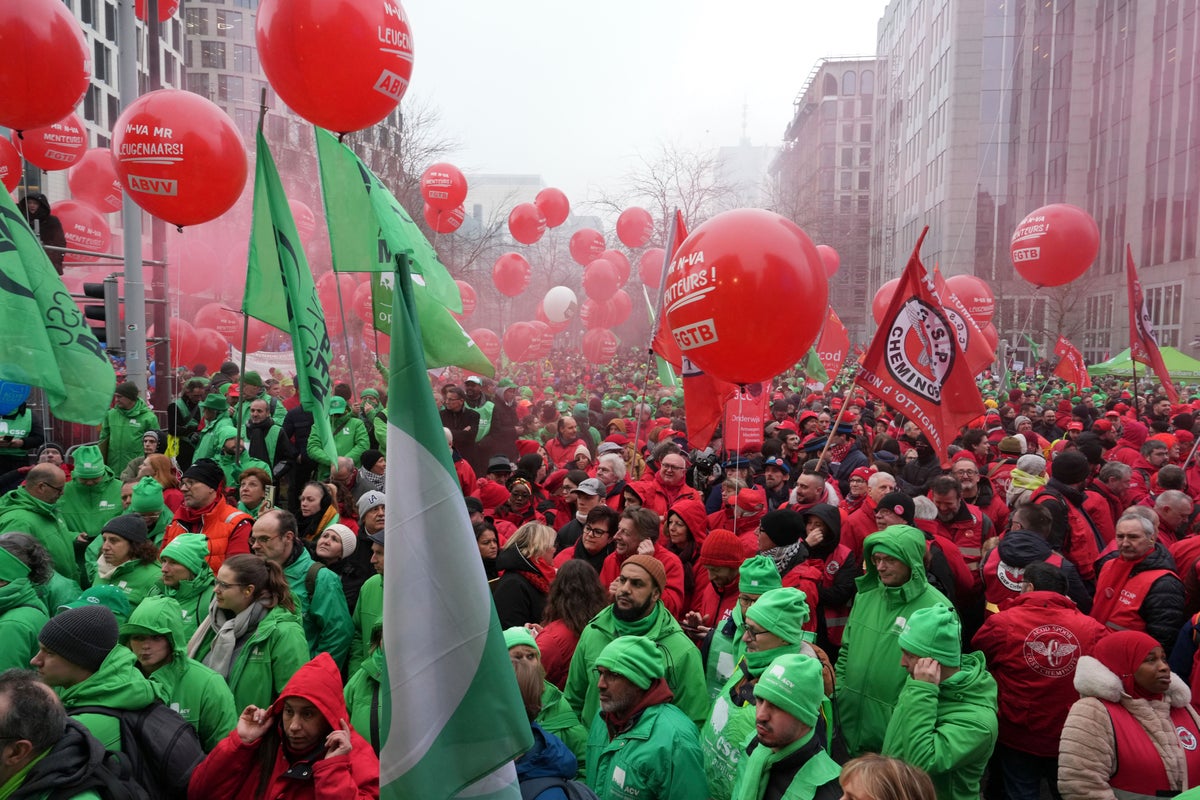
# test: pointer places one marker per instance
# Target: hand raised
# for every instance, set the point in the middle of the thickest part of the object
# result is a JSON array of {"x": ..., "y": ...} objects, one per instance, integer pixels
[{"x": 337, "y": 743}]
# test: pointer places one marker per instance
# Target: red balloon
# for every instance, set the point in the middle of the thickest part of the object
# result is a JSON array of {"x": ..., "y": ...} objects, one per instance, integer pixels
[
  {"x": 526, "y": 223},
  {"x": 45, "y": 64},
  {"x": 467, "y": 292},
  {"x": 443, "y": 187},
  {"x": 93, "y": 179},
  {"x": 619, "y": 306},
  {"x": 830, "y": 259},
  {"x": 305, "y": 219},
  {"x": 362, "y": 304},
  {"x": 166, "y": 9},
  {"x": 10, "y": 166},
  {"x": 975, "y": 295},
  {"x": 183, "y": 343},
  {"x": 444, "y": 221},
  {"x": 85, "y": 229},
  {"x": 341, "y": 65},
  {"x": 621, "y": 263},
  {"x": 883, "y": 299},
  {"x": 554, "y": 327},
  {"x": 635, "y": 226},
  {"x": 53, "y": 147},
  {"x": 222, "y": 320},
  {"x": 991, "y": 336},
  {"x": 488, "y": 343},
  {"x": 518, "y": 341},
  {"x": 594, "y": 315},
  {"x": 554, "y": 206},
  {"x": 600, "y": 345},
  {"x": 179, "y": 156},
  {"x": 256, "y": 335},
  {"x": 543, "y": 339},
  {"x": 212, "y": 349},
  {"x": 586, "y": 246},
  {"x": 511, "y": 275},
  {"x": 1055, "y": 244},
  {"x": 600, "y": 280},
  {"x": 733, "y": 278},
  {"x": 650, "y": 267},
  {"x": 327, "y": 290}
]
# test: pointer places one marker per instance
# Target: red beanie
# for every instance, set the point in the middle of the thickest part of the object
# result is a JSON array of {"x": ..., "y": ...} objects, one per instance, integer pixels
[
  {"x": 527, "y": 447},
  {"x": 722, "y": 548}
]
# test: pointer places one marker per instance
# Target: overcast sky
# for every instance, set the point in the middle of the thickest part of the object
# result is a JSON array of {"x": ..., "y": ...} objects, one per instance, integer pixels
[{"x": 575, "y": 91}]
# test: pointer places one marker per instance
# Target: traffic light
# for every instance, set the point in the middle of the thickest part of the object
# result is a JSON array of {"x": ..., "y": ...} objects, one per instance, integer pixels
[{"x": 110, "y": 313}]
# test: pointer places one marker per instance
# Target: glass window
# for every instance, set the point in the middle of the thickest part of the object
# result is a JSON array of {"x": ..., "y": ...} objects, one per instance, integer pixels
[
  {"x": 864, "y": 180},
  {"x": 212, "y": 55},
  {"x": 849, "y": 82},
  {"x": 197, "y": 21},
  {"x": 198, "y": 83},
  {"x": 845, "y": 180},
  {"x": 230, "y": 88},
  {"x": 847, "y": 157},
  {"x": 868, "y": 82},
  {"x": 229, "y": 24},
  {"x": 87, "y": 12},
  {"x": 864, "y": 132}
]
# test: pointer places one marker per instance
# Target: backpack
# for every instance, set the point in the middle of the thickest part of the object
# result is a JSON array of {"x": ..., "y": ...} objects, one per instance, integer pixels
[
  {"x": 160, "y": 747},
  {"x": 575, "y": 790},
  {"x": 111, "y": 778}
]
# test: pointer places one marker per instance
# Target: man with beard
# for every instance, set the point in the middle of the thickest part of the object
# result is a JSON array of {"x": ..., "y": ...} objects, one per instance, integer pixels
[
  {"x": 639, "y": 744},
  {"x": 775, "y": 476},
  {"x": 638, "y": 611},
  {"x": 205, "y": 511},
  {"x": 265, "y": 437}
]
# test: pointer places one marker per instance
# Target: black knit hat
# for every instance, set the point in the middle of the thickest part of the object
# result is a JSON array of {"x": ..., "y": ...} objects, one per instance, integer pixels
[
  {"x": 130, "y": 527},
  {"x": 84, "y": 636},
  {"x": 1070, "y": 467},
  {"x": 782, "y": 526},
  {"x": 899, "y": 504},
  {"x": 370, "y": 458},
  {"x": 127, "y": 389},
  {"x": 207, "y": 472}
]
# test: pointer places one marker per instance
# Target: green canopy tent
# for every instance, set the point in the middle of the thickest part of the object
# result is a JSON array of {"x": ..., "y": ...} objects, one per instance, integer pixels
[{"x": 1181, "y": 367}]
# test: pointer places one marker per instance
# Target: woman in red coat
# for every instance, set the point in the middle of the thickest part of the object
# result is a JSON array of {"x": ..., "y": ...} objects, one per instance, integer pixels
[{"x": 301, "y": 747}]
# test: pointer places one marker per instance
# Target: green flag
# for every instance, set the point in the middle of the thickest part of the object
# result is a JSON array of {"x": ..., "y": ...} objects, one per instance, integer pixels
[
  {"x": 814, "y": 370},
  {"x": 444, "y": 341},
  {"x": 280, "y": 292},
  {"x": 1034, "y": 350},
  {"x": 43, "y": 336},
  {"x": 666, "y": 375}
]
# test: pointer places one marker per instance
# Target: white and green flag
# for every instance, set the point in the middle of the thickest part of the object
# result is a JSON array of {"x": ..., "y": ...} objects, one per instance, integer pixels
[{"x": 453, "y": 719}]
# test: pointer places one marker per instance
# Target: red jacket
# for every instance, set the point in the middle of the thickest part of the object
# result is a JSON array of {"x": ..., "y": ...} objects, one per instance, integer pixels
[
  {"x": 1032, "y": 647},
  {"x": 672, "y": 596},
  {"x": 557, "y": 645},
  {"x": 658, "y": 497},
  {"x": 968, "y": 530},
  {"x": 858, "y": 526},
  {"x": 1104, "y": 507},
  {"x": 233, "y": 770},
  {"x": 227, "y": 530},
  {"x": 561, "y": 454}
]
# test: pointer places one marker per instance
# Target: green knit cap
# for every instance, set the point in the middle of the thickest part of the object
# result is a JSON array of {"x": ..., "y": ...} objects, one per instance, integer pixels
[
  {"x": 89, "y": 463},
  {"x": 758, "y": 575},
  {"x": 795, "y": 684},
  {"x": 11, "y": 567},
  {"x": 783, "y": 612},
  {"x": 147, "y": 497},
  {"x": 517, "y": 635},
  {"x": 936, "y": 633},
  {"x": 189, "y": 549},
  {"x": 634, "y": 657}
]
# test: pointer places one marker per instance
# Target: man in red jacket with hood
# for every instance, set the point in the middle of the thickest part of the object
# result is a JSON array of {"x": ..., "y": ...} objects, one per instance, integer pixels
[{"x": 638, "y": 532}]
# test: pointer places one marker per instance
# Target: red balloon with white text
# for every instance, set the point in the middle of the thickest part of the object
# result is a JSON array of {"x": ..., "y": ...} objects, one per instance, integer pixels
[
  {"x": 443, "y": 186},
  {"x": 1055, "y": 244},
  {"x": 45, "y": 63},
  {"x": 586, "y": 246},
  {"x": 554, "y": 206},
  {"x": 56, "y": 146},
  {"x": 84, "y": 228}
]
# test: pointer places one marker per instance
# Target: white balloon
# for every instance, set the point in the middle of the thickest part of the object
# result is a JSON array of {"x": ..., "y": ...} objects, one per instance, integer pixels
[{"x": 560, "y": 304}]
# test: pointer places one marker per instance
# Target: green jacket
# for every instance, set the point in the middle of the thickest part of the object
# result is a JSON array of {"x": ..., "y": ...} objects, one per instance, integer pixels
[
  {"x": 85, "y": 509},
  {"x": 685, "y": 675},
  {"x": 949, "y": 729},
  {"x": 194, "y": 691},
  {"x": 367, "y": 614},
  {"x": 559, "y": 718},
  {"x": 134, "y": 578},
  {"x": 233, "y": 468},
  {"x": 56, "y": 592},
  {"x": 349, "y": 436},
  {"x": 485, "y": 424},
  {"x": 117, "y": 684},
  {"x": 21, "y": 511},
  {"x": 92, "y": 554},
  {"x": 267, "y": 661},
  {"x": 362, "y": 693},
  {"x": 121, "y": 434},
  {"x": 817, "y": 770},
  {"x": 869, "y": 675},
  {"x": 327, "y": 624},
  {"x": 193, "y": 599},
  {"x": 658, "y": 758},
  {"x": 22, "y": 615}
]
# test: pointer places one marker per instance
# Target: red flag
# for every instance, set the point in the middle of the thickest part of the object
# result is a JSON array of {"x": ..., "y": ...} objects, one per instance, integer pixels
[
  {"x": 704, "y": 399},
  {"x": 915, "y": 364},
  {"x": 1143, "y": 345},
  {"x": 745, "y": 414},
  {"x": 833, "y": 345},
  {"x": 967, "y": 331},
  {"x": 663, "y": 343},
  {"x": 1071, "y": 367}
]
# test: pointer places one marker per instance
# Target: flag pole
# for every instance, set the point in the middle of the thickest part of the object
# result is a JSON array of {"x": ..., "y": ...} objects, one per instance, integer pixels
[
  {"x": 1191, "y": 455},
  {"x": 669, "y": 224},
  {"x": 841, "y": 411}
]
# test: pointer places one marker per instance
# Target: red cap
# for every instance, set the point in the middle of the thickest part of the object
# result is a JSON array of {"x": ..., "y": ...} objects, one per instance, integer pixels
[
  {"x": 1075, "y": 426},
  {"x": 1102, "y": 426}
]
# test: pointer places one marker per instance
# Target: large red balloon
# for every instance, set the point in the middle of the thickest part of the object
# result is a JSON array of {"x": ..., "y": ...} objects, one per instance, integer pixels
[
  {"x": 991, "y": 336},
  {"x": 10, "y": 165},
  {"x": 554, "y": 206},
  {"x": 975, "y": 295},
  {"x": 600, "y": 280},
  {"x": 511, "y": 274},
  {"x": 183, "y": 343},
  {"x": 362, "y": 303},
  {"x": 586, "y": 246},
  {"x": 179, "y": 156},
  {"x": 222, "y": 320},
  {"x": 543, "y": 339},
  {"x": 635, "y": 226},
  {"x": 732, "y": 280},
  {"x": 650, "y": 267},
  {"x": 526, "y": 223},
  {"x": 327, "y": 289},
  {"x": 256, "y": 335},
  {"x": 212, "y": 349},
  {"x": 488, "y": 343},
  {"x": 341, "y": 65},
  {"x": 883, "y": 299},
  {"x": 84, "y": 228},
  {"x": 1055, "y": 244},
  {"x": 600, "y": 345},
  {"x": 443, "y": 186},
  {"x": 467, "y": 293},
  {"x": 305, "y": 219},
  {"x": 56, "y": 146},
  {"x": 621, "y": 263},
  {"x": 519, "y": 341},
  {"x": 829, "y": 259},
  {"x": 93, "y": 179},
  {"x": 620, "y": 306},
  {"x": 444, "y": 221},
  {"x": 44, "y": 63}
]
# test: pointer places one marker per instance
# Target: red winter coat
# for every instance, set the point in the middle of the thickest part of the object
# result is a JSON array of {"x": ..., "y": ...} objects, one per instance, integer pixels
[
  {"x": 672, "y": 596},
  {"x": 232, "y": 769},
  {"x": 1104, "y": 507},
  {"x": 557, "y": 645},
  {"x": 968, "y": 530},
  {"x": 658, "y": 497},
  {"x": 1032, "y": 646},
  {"x": 858, "y": 526}
]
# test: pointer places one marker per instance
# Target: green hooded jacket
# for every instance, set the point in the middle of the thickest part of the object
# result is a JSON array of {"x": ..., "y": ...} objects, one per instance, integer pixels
[
  {"x": 685, "y": 674},
  {"x": 233, "y": 468},
  {"x": 327, "y": 623},
  {"x": 559, "y": 718},
  {"x": 367, "y": 614},
  {"x": 194, "y": 691},
  {"x": 193, "y": 597},
  {"x": 57, "y": 591},
  {"x": 21, "y": 511},
  {"x": 22, "y": 615},
  {"x": 362, "y": 693},
  {"x": 948, "y": 729},
  {"x": 117, "y": 684},
  {"x": 869, "y": 675},
  {"x": 135, "y": 578},
  {"x": 85, "y": 509},
  {"x": 267, "y": 661},
  {"x": 121, "y": 434},
  {"x": 658, "y": 757},
  {"x": 349, "y": 436}
]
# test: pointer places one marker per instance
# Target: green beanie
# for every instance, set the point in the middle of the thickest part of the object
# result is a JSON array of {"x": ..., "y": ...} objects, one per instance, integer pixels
[
  {"x": 795, "y": 684},
  {"x": 526, "y": 392},
  {"x": 936, "y": 633},
  {"x": 222, "y": 431},
  {"x": 11, "y": 567},
  {"x": 215, "y": 402},
  {"x": 147, "y": 497},
  {"x": 758, "y": 575},
  {"x": 190, "y": 550},
  {"x": 783, "y": 612},
  {"x": 252, "y": 379},
  {"x": 369, "y": 392},
  {"x": 635, "y": 658},
  {"x": 89, "y": 463},
  {"x": 517, "y": 635}
]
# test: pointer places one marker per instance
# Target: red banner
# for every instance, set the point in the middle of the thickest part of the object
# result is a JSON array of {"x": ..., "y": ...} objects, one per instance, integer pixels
[
  {"x": 969, "y": 334},
  {"x": 1143, "y": 344},
  {"x": 745, "y": 415},
  {"x": 833, "y": 345},
  {"x": 704, "y": 400},
  {"x": 1071, "y": 367},
  {"x": 915, "y": 363},
  {"x": 663, "y": 343}
]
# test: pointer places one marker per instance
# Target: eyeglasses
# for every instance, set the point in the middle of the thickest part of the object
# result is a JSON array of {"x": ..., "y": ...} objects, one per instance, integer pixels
[
  {"x": 262, "y": 539},
  {"x": 222, "y": 585},
  {"x": 519, "y": 495},
  {"x": 671, "y": 467},
  {"x": 966, "y": 473},
  {"x": 589, "y": 530},
  {"x": 753, "y": 634},
  {"x": 58, "y": 490}
]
